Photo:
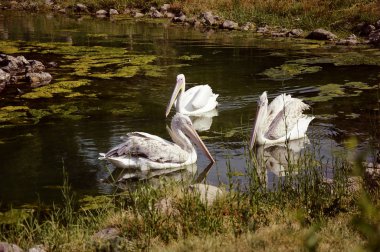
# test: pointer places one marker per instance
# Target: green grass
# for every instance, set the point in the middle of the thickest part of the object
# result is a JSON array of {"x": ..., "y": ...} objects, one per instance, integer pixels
[
  {"x": 305, "y": 213},
  {"x": 340, "y": 16}
]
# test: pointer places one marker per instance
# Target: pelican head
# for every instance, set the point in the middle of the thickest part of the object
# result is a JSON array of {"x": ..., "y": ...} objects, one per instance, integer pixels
[
  {"x": 184, "y": 124},
  {"x": 179, "y": 86},
  {"x": 262, "y": 104}
]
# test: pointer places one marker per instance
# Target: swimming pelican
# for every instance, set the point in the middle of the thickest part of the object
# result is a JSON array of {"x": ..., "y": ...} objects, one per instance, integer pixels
[
  {"x": 194, "y": 101},
  {"x": 145, "y": 151},
  {"x": 282, "y": 120}
]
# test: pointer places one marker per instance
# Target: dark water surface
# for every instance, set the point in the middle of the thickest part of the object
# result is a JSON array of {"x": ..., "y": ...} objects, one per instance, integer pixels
[{"x": 32, "y": 156}]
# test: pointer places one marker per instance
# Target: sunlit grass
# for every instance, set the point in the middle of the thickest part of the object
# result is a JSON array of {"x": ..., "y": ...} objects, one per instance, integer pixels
[
  {"x": 288, "y": 13},
  {"x": 304, "y": 212},
  {"x": 341, "y": 16}
]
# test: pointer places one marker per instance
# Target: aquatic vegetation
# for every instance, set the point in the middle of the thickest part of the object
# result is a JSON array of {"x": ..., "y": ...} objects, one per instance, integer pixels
[
  {"x": 330, "y": 91},
  {"x": 77, "y": 94},
  {"x": 141, "y": 60},
  {"x": 21, "y": 115},
  {"x": 351, "y": 58},
  {"x": 38, "y": 114},
  {"x": 190, "y": 57},
  {"x": 124, "y": 72},
  {"x": 288, "y": 71},
  {"x": 9, "y": 47},
  {"x": 14, "y": 108},
  {"x": 153, "y": 71},
  {"x": 13, "y": 114},
  {"x": 61, "y": 87},
  {"x": 358, "y": 85},
  {"x": 65, "y": 111},
  {"x": 97, "y": 61}
]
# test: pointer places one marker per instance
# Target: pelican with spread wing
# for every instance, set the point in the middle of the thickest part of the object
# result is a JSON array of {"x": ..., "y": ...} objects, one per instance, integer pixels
[
  {"x": 282, "y": 120},
  {"x": 145, "y": 151},
  {"x": 195, "y": 101}
]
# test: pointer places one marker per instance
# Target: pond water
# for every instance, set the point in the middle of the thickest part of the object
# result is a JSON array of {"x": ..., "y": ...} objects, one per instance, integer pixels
[{"x": 127, "y": 71}]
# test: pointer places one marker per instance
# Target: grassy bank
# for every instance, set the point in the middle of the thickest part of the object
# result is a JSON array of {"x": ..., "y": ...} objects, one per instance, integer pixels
[
  {"x": 306, "y": 213},
  {"x": 335, "y": 15},
  {"x": 305, "y": 14}
]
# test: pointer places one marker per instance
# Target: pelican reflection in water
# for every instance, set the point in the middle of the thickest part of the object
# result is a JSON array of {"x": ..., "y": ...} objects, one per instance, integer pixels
[
  {"x": 145, "y": 151},
  {"x": 203, "y": 122},
  {"x": 194, "y": 101},
  {"x": 276, "y": 159},
  {"x": 280, "y": 121}
]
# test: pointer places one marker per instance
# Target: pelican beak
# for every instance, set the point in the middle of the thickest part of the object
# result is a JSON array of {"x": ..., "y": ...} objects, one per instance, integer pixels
[
  {"x": 193, "y": 135},
  {"x": 259, "y": 116},
  {"x": 176, "y": 91}
]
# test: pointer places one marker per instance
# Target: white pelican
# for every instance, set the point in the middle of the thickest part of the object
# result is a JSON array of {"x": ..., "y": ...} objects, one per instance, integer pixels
[
  {"x": 145, "y": 151},
  {"x": 195, "y": 101},
  {"x": 283, "y": 120}
]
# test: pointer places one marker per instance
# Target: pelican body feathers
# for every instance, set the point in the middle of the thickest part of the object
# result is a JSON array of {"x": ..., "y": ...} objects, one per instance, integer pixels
[
  {"x": 194, "y": 101},
  {"x": 280, "y": 121},
  {"x": 145, "y": 151}
]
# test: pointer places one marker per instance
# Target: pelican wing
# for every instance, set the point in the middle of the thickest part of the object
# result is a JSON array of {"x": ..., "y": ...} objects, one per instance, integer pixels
[
  {"x": 286, "y": 119},
  {"x": 198, "y": 97},
  {"x": 156, "y": 149},
  {"x": 275, "y": 107}
]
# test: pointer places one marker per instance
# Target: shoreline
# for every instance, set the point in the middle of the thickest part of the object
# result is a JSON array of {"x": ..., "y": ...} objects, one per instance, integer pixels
[{"x": 187, "y": 14}]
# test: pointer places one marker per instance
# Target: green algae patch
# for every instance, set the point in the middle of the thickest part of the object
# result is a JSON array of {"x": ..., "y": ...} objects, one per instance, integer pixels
[
  {"x": 107, "y": 67},
  {"x": 21, "y": 115},
  {"x": 77, "y": 94},
  {"x": 14, "y": 114},
  {"x": 38, "y": 114},
  {"x": 61, "y": 87},
  {"x": 67, "y": 111},
  {"x": 358, "y": 85},
  {"x": 15, "y": 108},
  {"x": 342, "y": 59},
  {"x": 189, "y": 57},
  {"x": 14, "y": 216},
  {"x": 101, "y": 62},
  {"x": 328, "y": 92},
  {"x": 288, "y": 71},
  {"x": 355, "y": 58},
  {"x": 9, "y": 47},
  {"x": 153, "y": 71},
  {"x": 38, "y": 94},
  {"x": 124, "y": 72},
  {"x": 140, "y": 60}
]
